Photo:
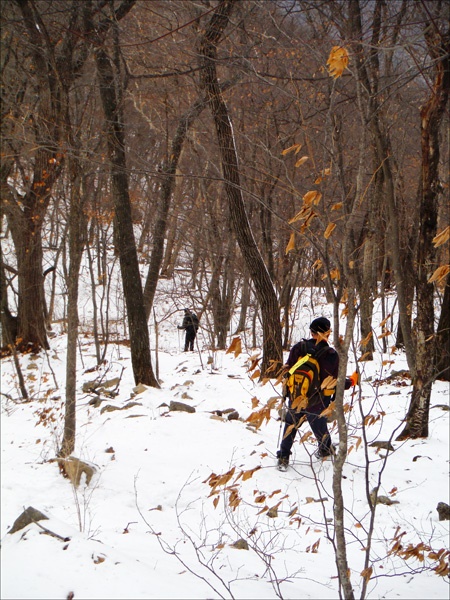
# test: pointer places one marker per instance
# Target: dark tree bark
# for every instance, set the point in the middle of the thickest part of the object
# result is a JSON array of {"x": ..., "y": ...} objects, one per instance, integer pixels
[
  {"x": 52, "y": 60},
  {"x": 244, "y": 303},
  {"x": 110, "y": 92},
  {"x": 272, "y": 348},
  {"x": 425, "y": 340},
  {"x": 77, "y": 240}
]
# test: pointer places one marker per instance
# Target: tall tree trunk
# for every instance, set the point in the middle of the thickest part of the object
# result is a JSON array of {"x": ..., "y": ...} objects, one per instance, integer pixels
[
  {"x": 272, "y": 348},
  {"x": 31, "y": 310},
  {"x": 338, "y": 504},
  {"x": 77, "y": 240},
  {"x": 110, "y": 92},
  {"x": 431, "y": 117}
]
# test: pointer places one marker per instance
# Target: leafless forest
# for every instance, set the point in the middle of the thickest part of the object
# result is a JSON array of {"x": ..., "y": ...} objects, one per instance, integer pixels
[{"x": 256, "y": 145}]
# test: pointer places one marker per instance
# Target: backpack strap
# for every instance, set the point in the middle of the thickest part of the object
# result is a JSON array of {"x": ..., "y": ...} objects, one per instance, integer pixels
[
  {"x": 321, "y": 352},
  {"x": 301, "y": 361}
]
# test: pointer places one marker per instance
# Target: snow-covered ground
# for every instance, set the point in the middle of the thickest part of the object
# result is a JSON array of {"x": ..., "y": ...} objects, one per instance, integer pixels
[{"x": 151, "y": 524}]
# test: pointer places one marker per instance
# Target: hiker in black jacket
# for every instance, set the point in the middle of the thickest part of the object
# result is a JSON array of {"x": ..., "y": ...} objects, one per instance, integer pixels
[
  {"x": 328, "y": 360},
  {"x": 190, "y": 325}
]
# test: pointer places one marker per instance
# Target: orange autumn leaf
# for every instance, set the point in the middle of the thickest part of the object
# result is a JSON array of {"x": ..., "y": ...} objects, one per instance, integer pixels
[
  {"x": 363, "y": 343},
  {"x": 295, "y": 147},
  {"x": 235, "y": 347},
  {"x": 291, "y": 244},
  {"x": 440, "y": 273},
  {"x": 384, "y": 321},
  {"x": 248, "y": 474},
  {"x": 329, "y": 230},
  {"x": 337, "y": 61},
  {"x": 335, "y": 274},
  {"x": 311, "y": 197},
  {"x": 302, "y": 214},
  {"x": 442, "y": 237},
  {"x": 301, "y": 160}
]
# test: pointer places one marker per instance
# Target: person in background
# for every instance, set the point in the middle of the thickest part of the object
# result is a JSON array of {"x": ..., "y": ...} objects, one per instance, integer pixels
[
  {"x": 328, "y": 360},
  {"x": 190, "y": 325}
]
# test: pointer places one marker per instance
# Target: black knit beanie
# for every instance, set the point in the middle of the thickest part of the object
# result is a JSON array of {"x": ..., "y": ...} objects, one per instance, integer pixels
[{"x": 320, "y": 325}]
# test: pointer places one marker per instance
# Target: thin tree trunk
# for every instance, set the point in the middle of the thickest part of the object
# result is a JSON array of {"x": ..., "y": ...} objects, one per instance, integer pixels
[
  {"x": 77, "y": 240},
  {"x": 244, "y": 303},
  {"x": 167, "y": 188}
]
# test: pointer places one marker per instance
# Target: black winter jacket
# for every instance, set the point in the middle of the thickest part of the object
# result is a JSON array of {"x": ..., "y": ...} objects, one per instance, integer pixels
[{"x": 328, "y": 361}]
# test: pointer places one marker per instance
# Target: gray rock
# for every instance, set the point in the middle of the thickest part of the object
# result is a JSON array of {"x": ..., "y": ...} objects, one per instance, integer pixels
[
  {"x": 383, "y": 445},
  {"x": 443, "y": 511},
  {"x": 111, "y": 382},
  {"x": 233, "y": 416},
  {"x": 29, "y": 515},
  {"x": 111, "y": 408},
  {"x": 240, "y": 544},
  {"x": 181, "y": 407},
  {"x": 140, "y": 388},
  {"x": 90, "y": 386},
  {"x": 381, "y": 499}
]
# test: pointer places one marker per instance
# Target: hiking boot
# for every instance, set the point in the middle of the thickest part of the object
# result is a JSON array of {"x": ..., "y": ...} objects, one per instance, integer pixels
[
  {"x": 325, "y": 452},
  {"x": 283, "y": 462}
]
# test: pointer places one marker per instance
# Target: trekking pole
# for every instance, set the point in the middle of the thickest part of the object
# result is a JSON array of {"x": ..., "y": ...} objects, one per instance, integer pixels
[
  {"x": 281, "y": 421},
  {"x": 283, "y": 411}
]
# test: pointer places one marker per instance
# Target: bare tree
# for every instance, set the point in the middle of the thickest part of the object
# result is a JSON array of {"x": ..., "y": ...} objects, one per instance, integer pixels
[
  {"x": 438, "y": 44},
  {"x": 272, "y": 349},
  {"x": 111, "y": 92}
]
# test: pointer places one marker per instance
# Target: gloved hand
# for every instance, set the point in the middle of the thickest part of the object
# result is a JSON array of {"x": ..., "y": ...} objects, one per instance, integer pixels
[{"x": 354, "y": 378}]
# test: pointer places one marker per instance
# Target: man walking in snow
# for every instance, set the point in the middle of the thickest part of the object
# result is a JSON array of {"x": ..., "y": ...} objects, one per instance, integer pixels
[
  {"x": 328, "y": 360},
  {"x": 190, "y": 325}
]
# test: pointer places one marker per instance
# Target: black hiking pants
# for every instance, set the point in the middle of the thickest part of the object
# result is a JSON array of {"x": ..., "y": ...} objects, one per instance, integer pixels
[
  {"x": 319, "y": 427},
  {"x": 189, "y": 339}
]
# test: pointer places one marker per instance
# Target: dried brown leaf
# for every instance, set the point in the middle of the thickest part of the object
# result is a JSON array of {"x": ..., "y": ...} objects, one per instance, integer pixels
[
  {"x": 329, "y": 230},
  {"x": 301, "y": 160},
  {"x": 235, "y": 347},
  {"x": 295, "y": 147},
  {"x": 337, "y": 61},
  {"x": 312, "y": 197},
  {"x": 291, "y": 243},
  {"x": 440, "y": 273},
  {"x": 442, "y": 237}
]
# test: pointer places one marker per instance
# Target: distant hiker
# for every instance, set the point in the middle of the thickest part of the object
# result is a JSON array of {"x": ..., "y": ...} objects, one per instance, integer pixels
[
  {"x": 190, "y": 325},
  {"x": 306, "y": 397}
]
